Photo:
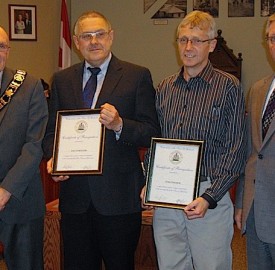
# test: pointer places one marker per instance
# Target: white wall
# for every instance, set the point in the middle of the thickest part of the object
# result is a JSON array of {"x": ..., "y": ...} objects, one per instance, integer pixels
[{"x": 138, "y": 40}]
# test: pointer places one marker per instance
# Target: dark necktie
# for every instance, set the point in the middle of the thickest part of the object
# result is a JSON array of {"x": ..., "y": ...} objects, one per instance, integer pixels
[
  {"x": 268, "y": 114},
  {"x": 90, "y": 87}
]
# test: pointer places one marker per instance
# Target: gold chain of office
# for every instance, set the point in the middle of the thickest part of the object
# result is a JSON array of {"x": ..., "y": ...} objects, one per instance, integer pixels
[{"x": 17, "y": 81}]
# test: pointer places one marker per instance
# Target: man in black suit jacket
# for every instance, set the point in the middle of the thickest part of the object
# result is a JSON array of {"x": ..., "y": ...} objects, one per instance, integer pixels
[
  {"x": 28, "y": 24},
  {"x": 101, "y": 214},
  {"x": 22, "y": 126}
]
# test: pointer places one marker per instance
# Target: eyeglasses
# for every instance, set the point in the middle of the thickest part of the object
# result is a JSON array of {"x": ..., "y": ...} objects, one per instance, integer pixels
[
  {"x": 3, "y": 47},
  {"x": 194, "y": 41},
  {"x": 270, "y": 39},
  {"x": 99, "y": 35}
]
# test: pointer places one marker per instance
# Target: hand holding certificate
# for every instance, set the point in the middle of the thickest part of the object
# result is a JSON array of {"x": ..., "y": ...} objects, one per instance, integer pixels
[
  {"x": 79, "y": 143},
  {"x": 173, "y": 174}
]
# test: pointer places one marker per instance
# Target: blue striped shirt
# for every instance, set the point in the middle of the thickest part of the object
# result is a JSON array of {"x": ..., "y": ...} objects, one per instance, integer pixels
[{"x": 209, "y": 107}]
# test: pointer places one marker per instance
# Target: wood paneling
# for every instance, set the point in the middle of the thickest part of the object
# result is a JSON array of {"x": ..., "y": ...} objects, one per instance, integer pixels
[
  {"x": 146, "y": 258},
  {"x": 52, "y": 238}
]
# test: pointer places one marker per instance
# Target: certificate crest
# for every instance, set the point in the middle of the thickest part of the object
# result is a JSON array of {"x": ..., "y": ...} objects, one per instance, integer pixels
[
  {"x": 176, "y": 157},
  {"x": 81, "y": 126}
]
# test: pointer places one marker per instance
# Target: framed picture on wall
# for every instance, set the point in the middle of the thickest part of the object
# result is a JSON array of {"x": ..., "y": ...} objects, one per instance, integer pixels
[
  {"x": 240, "y": 8},
  {"x": 211, "y": 7},
  {"x": 22, "y": 22},
  {"x": 267, "y": 8},
  {"x": 172, "y": 9}
]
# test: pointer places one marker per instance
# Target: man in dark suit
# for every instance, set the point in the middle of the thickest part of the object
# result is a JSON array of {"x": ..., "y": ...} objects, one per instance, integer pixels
[
  {"x": 23, "y": 119},
  {"x": 255, "y": 201},
  {"x": 28, "y": 24},
  {"x": 101, "y": 215}
]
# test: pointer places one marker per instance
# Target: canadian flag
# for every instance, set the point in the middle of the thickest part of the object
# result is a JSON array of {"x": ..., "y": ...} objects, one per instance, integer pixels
[{"x": 64, "y": 60}]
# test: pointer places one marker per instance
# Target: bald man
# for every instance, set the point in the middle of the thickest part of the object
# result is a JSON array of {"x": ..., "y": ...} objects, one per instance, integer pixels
[{"x": 23, "y": 119}]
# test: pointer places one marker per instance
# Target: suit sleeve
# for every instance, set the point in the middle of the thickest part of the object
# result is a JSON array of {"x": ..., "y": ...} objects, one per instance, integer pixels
[
  {"x": 53, "y": 107},
  {"x": 17, "y": 179},
  {"x": 144, "y": 126}
]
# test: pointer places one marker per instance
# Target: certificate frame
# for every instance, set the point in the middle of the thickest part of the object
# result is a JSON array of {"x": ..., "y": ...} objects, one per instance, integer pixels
[
  {"x": 78, "y": 143},
  {"x": 171, "y": 162}
]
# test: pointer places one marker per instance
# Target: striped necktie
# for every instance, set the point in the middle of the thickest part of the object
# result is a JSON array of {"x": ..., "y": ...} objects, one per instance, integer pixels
[
  {"x": 268, "y": 114},
  {"x": 90, "y": 87}
]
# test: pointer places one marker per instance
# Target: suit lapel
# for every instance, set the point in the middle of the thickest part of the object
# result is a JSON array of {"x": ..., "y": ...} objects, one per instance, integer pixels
[
  {"x": 6, "y": 79},
  {"x": 76, "y": 84},
  {"x": 113, "y": 76}
]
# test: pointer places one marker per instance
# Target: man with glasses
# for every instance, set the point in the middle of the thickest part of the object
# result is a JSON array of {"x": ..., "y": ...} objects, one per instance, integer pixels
[
  {"x": 23, "y": 120},
  {"x": 101, "y": 214},
  {"x": 255, "y": 204},
  {"x": 200, "y": 102}
]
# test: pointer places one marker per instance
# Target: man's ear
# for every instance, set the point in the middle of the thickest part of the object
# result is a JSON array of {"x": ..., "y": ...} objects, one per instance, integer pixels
[
  {"x": 213, "y": 44},
  {"x": 75, "y": 38}
]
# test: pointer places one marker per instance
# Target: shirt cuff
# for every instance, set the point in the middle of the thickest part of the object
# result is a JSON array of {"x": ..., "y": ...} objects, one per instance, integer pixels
[
  {"x": 118, "y": 132},
  {"x": 210, "y": 200}
]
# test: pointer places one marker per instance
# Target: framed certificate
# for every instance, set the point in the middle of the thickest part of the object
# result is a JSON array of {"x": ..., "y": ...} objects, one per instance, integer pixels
[
  {"x": 173, "y": 175},
  {"x": 78, "y": 143}
]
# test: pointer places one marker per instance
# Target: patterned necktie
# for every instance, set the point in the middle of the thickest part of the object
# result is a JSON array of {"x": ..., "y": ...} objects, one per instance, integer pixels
[
  {"x": 268, "y": 114},
  {"x": 90, "y": 87}
]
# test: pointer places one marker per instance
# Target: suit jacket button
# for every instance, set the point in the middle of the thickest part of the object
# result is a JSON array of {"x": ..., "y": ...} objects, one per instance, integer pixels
[{"x": 260, "y": 156}]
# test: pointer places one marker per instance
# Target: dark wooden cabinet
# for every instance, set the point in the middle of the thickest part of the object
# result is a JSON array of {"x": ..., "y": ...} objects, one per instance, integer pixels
[{"x": 224, "y": 59}]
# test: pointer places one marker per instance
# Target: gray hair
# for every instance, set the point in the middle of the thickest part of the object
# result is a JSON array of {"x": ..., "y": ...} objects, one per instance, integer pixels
[
  {"x": 202, "y": 20},
  {"x": 90, "y": 14}
]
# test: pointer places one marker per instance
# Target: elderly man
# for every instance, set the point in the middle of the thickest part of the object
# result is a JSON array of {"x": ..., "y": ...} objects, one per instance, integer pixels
[
  {"x": 255, "y": 205},
  {"x": 23, "y": 119}
]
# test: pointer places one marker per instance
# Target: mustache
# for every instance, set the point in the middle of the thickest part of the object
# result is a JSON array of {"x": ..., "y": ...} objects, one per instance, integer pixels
[{"x": 94, "y": 47}]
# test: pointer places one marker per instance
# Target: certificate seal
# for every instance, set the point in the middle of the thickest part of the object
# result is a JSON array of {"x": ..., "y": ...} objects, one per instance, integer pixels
[
  {"x": 175, "y": 157},
  {"x": 81, "y": 126}
]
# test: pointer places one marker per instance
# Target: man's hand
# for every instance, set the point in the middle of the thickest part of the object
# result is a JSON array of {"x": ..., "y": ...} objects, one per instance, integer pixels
[
  {"x": 4, "y": 198},
  {"x": 55, "y": 178},
  {"x": 238, "y": 217},
  {"x": 197, "y": 208},
  {"x": 110, "y": 118}
]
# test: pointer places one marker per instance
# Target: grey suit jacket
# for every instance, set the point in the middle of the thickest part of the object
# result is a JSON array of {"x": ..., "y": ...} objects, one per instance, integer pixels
[
  {"x": 259, "y": 181},
  {"x": 22, "y": 126},
  {"x": 129, "y": 88}
]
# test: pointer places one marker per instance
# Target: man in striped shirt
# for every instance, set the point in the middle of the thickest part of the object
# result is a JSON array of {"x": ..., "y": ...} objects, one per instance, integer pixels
[{"x": 201, "y": 103}]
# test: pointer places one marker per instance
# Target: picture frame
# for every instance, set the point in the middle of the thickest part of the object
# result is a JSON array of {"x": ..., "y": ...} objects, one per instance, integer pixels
[
  {"x": 241, "y": 8},
  {"x": 173, "y": 176},
  {"x": 211, "y": 7},
  {"x": 22, "y": 22},
  {"x": 78, "y": 143}
]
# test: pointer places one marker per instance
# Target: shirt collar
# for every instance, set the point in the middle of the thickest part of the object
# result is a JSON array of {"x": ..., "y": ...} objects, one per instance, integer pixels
[
  {"x": 103, "y": 66},
  {"x": 206, "y": 74}
]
